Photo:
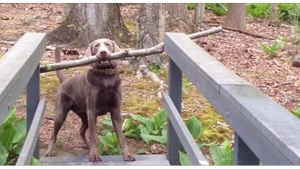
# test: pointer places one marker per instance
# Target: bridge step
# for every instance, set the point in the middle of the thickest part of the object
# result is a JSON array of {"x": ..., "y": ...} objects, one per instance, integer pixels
[{"x": 141, "y": 160}]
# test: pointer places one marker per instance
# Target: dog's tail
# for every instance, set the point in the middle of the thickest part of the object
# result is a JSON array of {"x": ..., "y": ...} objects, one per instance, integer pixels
[{"x": 59, "y": 73}]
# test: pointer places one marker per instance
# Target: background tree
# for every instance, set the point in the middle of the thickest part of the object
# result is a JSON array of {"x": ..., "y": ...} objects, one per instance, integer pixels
[
  {"x": 236, "y": 16},
  {"x": 198, "y": 13},
  {"x": 87, "y": 22},
  {"x": 151, "y": 26},
  {"x": 178, "y": 18},
  {"x": 273, "y": 19}
]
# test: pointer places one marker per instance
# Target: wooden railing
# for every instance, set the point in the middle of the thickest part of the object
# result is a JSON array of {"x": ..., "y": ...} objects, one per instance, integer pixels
[
  {"x": 264, "y": 130},
  {"x": 19, "y": 69}
]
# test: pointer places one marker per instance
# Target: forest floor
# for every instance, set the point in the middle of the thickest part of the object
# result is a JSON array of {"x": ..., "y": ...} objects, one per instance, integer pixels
[{"x": 241, "y": 53}]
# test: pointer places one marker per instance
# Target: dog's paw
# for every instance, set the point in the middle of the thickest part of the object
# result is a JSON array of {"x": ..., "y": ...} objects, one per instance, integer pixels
[
  {"x": 94, "y": 157},
  {"x": 50, "y": 153},
  {"x": 128, "y": 157}
]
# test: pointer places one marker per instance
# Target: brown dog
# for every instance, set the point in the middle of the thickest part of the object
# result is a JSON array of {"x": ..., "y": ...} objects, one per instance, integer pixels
[{"x": 89, "y": 95}]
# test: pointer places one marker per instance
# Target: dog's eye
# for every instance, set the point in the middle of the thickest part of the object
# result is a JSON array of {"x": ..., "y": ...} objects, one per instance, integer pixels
[
  {"x": 97, "y": 45},
  {"x": 106, "y": 44}
]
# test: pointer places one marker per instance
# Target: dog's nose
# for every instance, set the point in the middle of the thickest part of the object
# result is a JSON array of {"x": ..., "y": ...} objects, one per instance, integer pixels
[{"x": 102, "y": 52}]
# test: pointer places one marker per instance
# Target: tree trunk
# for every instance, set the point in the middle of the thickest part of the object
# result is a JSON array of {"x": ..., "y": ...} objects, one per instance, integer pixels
[
  {"x": 199, "y": 13},
  {"x": 273, "y": 19},
  {"x": 178, "y": 19},
  {"x": 150, "y": 26},
  {"x": 87, "y": 22},
  {"x": 236, "y": 16}
]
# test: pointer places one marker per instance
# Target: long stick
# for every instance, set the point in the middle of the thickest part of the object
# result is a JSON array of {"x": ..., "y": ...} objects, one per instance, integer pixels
[{"x": 123, "y": 54}]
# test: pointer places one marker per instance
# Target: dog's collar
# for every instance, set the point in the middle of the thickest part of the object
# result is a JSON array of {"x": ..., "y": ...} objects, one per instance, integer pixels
[{"x": 107, "y": 71}]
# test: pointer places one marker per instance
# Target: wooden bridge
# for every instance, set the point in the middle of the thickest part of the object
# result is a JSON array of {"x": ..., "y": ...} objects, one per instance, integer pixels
[{"x": 264, "y": 130}]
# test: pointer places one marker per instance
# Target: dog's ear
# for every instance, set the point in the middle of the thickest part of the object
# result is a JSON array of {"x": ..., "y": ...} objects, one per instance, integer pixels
[
  {"x": 88, "y": 51},
  {"x": 116, "y": 47}
]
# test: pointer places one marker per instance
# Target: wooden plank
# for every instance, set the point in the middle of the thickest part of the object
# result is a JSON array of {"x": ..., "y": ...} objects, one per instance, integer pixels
[
  {"x": 271, "y": 138},
  {"x": 32, "y": 135},
  {"x": 32, "y": 101},
  {"x": 243, "y": 155},
  {"x": 17, "y": 66},
  {"x": 276, "y": 123},
  {"x": 117, "y": 160},
  {"x": 188, "y": 142},
  {"x": 175, "y": 91}
]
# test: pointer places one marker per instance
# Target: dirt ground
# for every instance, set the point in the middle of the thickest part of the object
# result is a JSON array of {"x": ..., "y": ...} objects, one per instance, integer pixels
[{"x": 241, "y": 53}]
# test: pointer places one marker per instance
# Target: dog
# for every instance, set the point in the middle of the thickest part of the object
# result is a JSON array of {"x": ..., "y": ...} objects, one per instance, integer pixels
[{"x": 89, "y": 95}]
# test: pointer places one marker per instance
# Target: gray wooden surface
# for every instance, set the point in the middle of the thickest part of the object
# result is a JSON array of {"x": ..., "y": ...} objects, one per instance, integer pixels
[
  {"x": 17, "y": 66},
  {"x": 268, "y": 129},
  {"x": 32, "y": 135},
  {"x": 117, "y": 160},
  {"x": 186, "y": 139},
  {"x": 32, "y": 101},
  {"x": 175, "y": 84}
]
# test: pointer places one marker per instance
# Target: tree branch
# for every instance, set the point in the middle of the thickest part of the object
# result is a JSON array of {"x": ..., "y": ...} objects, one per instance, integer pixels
[{"x": 123, "y": 54}]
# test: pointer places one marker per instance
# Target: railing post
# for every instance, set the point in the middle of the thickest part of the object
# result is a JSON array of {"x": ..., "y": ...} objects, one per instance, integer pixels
[
  {"x": 175, "y": 84},
  {"x": 243, "y": 155},
  {"x": 32, "y": 101}
]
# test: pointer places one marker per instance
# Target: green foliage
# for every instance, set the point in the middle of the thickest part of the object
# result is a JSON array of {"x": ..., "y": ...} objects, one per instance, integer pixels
[
  {"x": 153, "y": 125},
  {"x": 194, "y": 126},
  {"x": 289, "y": 12},
  {"x": 109, "y": 142},
  {"x": 296, "y": 112},
  {"x": 12, "y": 137},
  {"x": 129, "y": 129},
  {"x": 184, "y": 159},
  {"x": 258, "y": 10},
  {"x": 222, "y": 155},
  {"x": 218, "y": 9},
  {"x": 152, "y": 129},
  {"x": 191, "y": 6},
  {"x": 271, "y": 50},
  {"x": 155, "y": 68}
]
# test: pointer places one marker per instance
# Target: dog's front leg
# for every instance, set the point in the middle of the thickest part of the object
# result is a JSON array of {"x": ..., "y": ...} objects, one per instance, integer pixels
[
  {"x": 92, "y": 120},
  {"x": 117, "y": 123}
]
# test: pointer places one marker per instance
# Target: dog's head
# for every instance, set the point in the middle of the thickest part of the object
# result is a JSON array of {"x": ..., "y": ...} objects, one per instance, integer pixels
[{"x": 102, "y": 48}]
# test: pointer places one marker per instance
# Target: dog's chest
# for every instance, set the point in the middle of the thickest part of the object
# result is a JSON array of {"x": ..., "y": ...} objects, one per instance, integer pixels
[{"x": 107, "y": 100}]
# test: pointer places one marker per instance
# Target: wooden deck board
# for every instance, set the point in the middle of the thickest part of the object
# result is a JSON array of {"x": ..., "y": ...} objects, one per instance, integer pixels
[{"x": 117, "y": 160}]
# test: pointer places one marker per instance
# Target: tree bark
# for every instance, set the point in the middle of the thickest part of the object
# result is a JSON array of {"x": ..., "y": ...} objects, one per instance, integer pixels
[
  {"x": 87, "y": 22},
  {"x": 150, "y": 26},
  {"x": 273, "y": 19},
  {"x": 199, "y": 13},
  {"x": 178, "y": 19},
  {"x": 236, "y": 16}
]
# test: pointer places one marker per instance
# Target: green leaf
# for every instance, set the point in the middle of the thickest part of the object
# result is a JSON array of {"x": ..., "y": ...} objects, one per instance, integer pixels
[
  {"x": 143, "y": 129},
  {"x": 226, "y": 146},
  {"x": 266, "y": 49},
  {"x": 216, "y": 154},
  {"x": 148, "y": 138},
  {"x": 35, "y": 161},
  {"x": 160, "y": 120},
  {"x": 107, "y": 122},
  {"x": 9, "y": 134},
  {"x": 194, "y": 127},
  {"x": 140, "y": 119},
  {"x": 184, "y": 159},
  {"x": 107, "y": 140},
  {"x": 20, "y": 128},
  {"x": 9, "y": 120},
  {"x": 3, "y": 154}
]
